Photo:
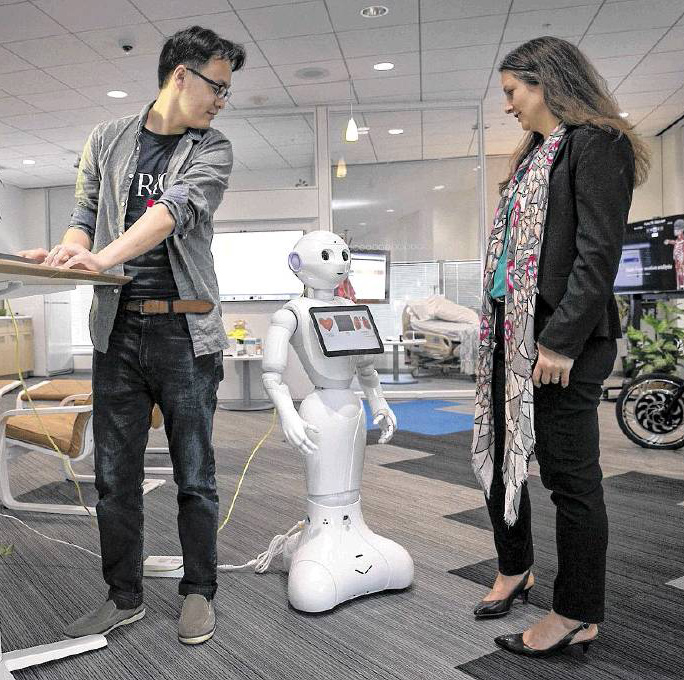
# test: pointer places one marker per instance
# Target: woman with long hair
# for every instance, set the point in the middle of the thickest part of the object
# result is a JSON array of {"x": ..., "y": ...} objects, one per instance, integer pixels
[{"x": 548, "y": 331}]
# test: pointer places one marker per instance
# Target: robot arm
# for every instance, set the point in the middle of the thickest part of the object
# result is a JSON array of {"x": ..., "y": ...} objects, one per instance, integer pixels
[
  {"x": 382, "y": 413},
  {"x": 283, "y": 326}
]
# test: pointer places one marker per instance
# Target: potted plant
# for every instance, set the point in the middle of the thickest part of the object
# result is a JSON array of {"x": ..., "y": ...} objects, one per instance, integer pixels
[{"x": 663, "y": 350}]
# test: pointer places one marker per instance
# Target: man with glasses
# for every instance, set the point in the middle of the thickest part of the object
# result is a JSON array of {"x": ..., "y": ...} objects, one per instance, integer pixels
[{"x": 146, "y": 192}]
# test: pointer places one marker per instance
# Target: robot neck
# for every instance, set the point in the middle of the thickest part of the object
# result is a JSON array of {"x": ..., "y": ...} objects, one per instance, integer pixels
[{"x": 322, "y": 294}]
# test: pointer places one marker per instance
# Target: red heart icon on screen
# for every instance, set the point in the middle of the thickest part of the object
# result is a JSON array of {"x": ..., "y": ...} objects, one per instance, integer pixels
[
  {"x": 357, "y": 323},
  {"x": 326, "y": 323},
  {"x": 366, "y": 323}
]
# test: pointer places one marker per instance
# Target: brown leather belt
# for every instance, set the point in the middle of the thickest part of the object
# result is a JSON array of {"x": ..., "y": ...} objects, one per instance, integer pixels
[{"x": 169, "y": 306}]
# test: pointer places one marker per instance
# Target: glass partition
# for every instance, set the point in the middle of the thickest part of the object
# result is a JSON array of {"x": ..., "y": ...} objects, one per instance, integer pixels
[{"x": 411, "y": 185}]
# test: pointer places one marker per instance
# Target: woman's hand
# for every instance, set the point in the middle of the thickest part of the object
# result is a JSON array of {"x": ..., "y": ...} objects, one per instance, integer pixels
[{"x": 551, "y": 367}]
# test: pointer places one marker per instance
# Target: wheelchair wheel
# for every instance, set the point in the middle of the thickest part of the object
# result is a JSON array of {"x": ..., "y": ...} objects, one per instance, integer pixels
[{"x": 650, "y": 411}]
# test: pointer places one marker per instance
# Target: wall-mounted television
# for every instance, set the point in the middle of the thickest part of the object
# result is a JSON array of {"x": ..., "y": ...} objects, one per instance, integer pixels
[
  {"x": 370, "y": 275},
  {"x": 252, "y": 265},
  {"x": 652, "y": 254}
]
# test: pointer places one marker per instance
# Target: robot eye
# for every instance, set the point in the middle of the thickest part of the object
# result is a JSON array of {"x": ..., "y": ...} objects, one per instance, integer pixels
[
  {"x": 345, "y": 255},
  {"x": 325, "y": 254}
]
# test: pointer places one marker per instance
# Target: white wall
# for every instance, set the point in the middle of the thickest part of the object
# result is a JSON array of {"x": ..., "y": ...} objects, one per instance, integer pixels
[{"x": 23, "y": 219}]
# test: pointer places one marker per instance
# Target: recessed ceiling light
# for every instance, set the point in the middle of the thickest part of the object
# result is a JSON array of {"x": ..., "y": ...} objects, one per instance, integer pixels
[
  {"x": 363, "y": 224},
  {"x": 438, "y": 187},
  {"x": 28, "y": 161},
  {"x": 312, "y": 73},
  {"x": 390, "y": 209},
  {"x": 623, "y": 114},
  {"x": 374, "y": 11},
  {"x": 117, "y": 94},
  {"x": 364, "y": 130},
  {"x": 383, "y": 66},
  {"x": 395, "y": 131}
]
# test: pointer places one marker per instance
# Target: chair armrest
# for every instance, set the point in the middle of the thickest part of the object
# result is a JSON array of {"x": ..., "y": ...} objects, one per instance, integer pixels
[
  {"x": 51, "y": 410},
  {"x": 72, "y": 397}
]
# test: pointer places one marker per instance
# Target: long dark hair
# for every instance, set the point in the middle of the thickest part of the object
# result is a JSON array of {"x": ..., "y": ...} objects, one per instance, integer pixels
[{"x": 574, "y": 92}]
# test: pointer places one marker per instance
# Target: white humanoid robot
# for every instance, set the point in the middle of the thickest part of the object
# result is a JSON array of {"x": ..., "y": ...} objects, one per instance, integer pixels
[{"x": 336, "y": 557}]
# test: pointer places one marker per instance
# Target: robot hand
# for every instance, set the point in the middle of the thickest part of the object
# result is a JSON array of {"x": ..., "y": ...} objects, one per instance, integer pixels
[
  {"x": 388, "y": 423},
  {"x": 295, "y": 429}
]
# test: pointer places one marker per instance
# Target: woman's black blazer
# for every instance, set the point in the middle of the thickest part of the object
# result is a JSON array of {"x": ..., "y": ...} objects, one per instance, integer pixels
[{"x": 590, "y": 192}]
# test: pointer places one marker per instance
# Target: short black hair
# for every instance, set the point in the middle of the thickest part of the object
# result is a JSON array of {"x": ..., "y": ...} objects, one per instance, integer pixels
[{"x": 194, "y": 47}]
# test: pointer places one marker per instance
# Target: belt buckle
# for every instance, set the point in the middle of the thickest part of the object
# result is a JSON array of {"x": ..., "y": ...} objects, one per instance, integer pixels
[{"x": 141, "y": 306}]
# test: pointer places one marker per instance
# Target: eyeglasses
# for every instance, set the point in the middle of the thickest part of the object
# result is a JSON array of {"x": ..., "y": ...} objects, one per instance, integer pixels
[{"x": 221, "y": 91}]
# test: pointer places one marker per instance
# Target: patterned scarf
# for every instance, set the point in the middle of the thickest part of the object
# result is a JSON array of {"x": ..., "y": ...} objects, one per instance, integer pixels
[{"x": 530, "y": 185}]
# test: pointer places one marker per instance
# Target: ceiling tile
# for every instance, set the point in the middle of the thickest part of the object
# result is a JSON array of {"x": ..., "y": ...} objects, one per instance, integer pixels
[
  {"x": 29, "y": 82},
  {"x": 65, "y": 100},
  {"x": 61, "y": 135},
  {"x": 25, "y": 21},
  {"x": 462, "y": 32},
  {"x": 274, "y": 96},
  {"x": 529, "y": 5},
  {"x": 251, "y": 4},
  {"x": 226, "y": 24},
  {"x": 143, "y": 37},
  {"x": 475, "y": 79},
  {"x": 637, "y": 15},
  {"x": 90, "y": 116},
  {"x": 137, "y": 92},
  {"x": 379, "y": 41},
  {"x": 142, "y": 68},
  {"x": 346, "y": 16},
  {"x": 75, "y": 16},
  {"x": 12, "y": 106},
  {"x": 439, "y": 10},
  {"x": 320, "y": 94},
  {"x": 628, "y": 101},
  {"x": 651, "y": 83},
  {"x": 454, "y": 95},
  {"x": 34, "y": 121},
  {"x": 561, "y": 22},
  {"x": 300, "y": 50},
  {"x": 10, "y": 62},
  {"x": 661, "y": 62},
  {"x": 621, "y": 43},
  {"x": 18, "y": 138},
  {"x": 457, "y": 58},
  {"x": 282, "y": 21},
  {"x": 167, "y": 9},
  {"x": 672, "y": 40},
  {"x": 612, "y": 67},
  {"x": 405, "y": 64},
  {"x": 255, "y": 59},
  {"x": 54, "y": 51},
  {"x": 336, "y": 71},
  {"x": 255, "y": 79},
  {"x": 408, "y": 87},
  {"x": 83, "y": 75}
]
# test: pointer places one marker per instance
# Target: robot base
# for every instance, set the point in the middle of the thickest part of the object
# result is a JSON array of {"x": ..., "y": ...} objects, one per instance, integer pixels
[{"x": 338, "y": 558}]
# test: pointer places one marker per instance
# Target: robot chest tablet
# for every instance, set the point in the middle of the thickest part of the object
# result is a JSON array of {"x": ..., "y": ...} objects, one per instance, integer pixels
[{"x": 345, "y": 330}]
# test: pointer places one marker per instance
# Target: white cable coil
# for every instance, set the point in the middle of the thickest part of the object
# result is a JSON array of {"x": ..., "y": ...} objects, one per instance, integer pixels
[{"x": 262, "y": 562}]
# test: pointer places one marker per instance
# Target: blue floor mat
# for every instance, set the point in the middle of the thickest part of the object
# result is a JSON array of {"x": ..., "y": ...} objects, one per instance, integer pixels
[{"x": 426, "y": 416}]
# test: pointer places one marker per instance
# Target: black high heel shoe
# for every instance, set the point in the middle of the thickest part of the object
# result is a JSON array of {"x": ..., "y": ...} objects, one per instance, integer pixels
[
  {"x": 491, "y": 609},
  {"x": 514, "y": 643}
]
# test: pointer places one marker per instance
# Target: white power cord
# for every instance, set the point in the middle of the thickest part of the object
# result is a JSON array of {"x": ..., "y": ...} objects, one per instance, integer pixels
[
  {"x": 262, "y": 562},
  {"x": 56, "y": 540}
]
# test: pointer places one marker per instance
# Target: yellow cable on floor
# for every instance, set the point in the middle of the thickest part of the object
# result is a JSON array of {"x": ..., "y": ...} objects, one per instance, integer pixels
[
  {"x": 64, "y": 457},
  {"x": 244, "y": 470}
]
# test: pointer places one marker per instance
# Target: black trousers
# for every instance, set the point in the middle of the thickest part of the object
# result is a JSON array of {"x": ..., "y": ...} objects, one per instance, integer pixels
[
  {"x": 567, "y": 449},
  {"x": 150, "y": 359}
]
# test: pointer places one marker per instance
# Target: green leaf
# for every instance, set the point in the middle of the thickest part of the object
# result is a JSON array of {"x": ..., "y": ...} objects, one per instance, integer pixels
[{"x": 6, "y": 550}]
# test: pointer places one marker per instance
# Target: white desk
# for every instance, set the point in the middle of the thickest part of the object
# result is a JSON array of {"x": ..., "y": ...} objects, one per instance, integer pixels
[
  {"x": 396, "y": 378},
  {"x": 245, "y": 361},
  {"x": 18, "y": 279}
]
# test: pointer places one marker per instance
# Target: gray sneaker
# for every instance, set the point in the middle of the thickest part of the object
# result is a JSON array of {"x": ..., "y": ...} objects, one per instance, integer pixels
[
  {"x": 103, "y": 620},
  {"x": 197, "y": 621}
]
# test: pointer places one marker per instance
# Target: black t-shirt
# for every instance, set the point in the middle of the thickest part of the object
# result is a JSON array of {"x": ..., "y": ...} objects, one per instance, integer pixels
[{"x": 151, "y": 271}]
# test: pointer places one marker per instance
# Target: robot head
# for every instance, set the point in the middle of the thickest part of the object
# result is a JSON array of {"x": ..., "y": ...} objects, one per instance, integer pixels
[{"x": 321, "y": 260}]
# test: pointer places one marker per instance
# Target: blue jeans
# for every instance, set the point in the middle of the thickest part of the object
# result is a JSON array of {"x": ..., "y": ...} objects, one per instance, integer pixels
[{"x": 150, "y": 360}]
